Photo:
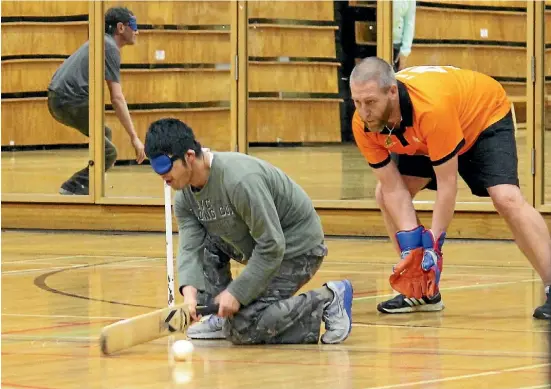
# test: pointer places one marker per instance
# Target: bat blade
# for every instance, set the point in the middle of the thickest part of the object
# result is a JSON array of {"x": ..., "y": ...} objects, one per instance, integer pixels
[{"x": 147, "y": 327}]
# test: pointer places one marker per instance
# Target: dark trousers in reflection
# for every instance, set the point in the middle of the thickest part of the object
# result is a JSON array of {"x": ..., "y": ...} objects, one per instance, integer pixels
[
  {"x": 77, "y": 118},
  {"x": 396, "y": 57}
]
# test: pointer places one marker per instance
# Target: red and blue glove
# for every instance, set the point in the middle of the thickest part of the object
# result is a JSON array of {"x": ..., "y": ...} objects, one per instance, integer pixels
[{"x": 418, "y": 273}]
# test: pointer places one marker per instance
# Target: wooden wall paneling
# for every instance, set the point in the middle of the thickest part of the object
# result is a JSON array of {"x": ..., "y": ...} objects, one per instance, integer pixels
[
  {"x": 480, "y": 58},
  {"x": 514, "y": 88},
  {"x": 292, "y": 51},
  {"x": 293, "y": 77},
  {"x": 211, "y": 126},
  {"x": 173, "y": 85},
  {"x": 293, "y": 120},
  {"x": 277, "y": 41},
  {"x": 43, "y": 8},
  {"x": 28, "y": 75},
  {"x": 36, "y": 37},
  {"x": 484, "y": 3},
  {"x": 43, "y": 38},
  {"x": 297, "y": 10},
  {"x": 434, "y": 23},
  {"x": 177, "y": 12},
  {"x": 179, "y": 47},
  {"x": 28, "y": 122}
]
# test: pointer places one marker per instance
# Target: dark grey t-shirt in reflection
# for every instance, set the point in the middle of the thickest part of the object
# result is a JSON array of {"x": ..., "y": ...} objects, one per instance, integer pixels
[{"x": 70, "y": 81}]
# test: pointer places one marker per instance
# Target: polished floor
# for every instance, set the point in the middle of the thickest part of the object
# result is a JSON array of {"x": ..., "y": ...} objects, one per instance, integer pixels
[{"x": 59, "y": 289}]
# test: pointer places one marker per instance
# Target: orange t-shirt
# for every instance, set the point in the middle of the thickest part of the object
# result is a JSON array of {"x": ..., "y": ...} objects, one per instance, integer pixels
[{"x": 444, "y": 110}]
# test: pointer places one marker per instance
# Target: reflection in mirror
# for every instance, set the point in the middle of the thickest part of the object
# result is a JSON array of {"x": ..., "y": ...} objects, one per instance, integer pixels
[
  {"x": 179, "y": 65},
  {"x": 45, "y": 97},
  {"x": 300, "y": 54},
  {"x": 485, "y": 36},
  {"x": 547, "y": 105}
]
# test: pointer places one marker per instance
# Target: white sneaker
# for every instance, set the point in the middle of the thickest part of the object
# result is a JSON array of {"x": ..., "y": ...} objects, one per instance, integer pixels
[
  {"x": 209, "y": 327},
  {"x": 338, "y": 314}
]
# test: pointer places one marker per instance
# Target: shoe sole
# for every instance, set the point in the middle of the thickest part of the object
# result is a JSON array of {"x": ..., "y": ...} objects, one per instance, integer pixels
[
  {"x": 65, "y": 192},
  {"x": 541, "y": 316},
  {"x": 348, "y": 298},
  {"x": 420, "y": 308}
]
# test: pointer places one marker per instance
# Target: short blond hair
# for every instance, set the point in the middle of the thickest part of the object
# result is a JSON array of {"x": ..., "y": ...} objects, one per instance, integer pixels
[{"x": 374, "y": 68}]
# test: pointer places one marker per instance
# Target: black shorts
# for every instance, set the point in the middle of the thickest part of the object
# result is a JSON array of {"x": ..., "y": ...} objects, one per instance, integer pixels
[{"x": 492, "y": 160}]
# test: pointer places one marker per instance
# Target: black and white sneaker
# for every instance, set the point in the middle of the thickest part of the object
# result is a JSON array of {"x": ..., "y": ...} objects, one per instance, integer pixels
[
  {"x": 402, "y": 304},
  {"x": 73, "y": 188},
  {"x": 544, "y": 312}
]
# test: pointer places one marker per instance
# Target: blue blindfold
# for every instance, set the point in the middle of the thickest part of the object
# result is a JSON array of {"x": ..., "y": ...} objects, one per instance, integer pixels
[
  {"x": 133, "y": 24},
  {"x": 162, "y": 164}
]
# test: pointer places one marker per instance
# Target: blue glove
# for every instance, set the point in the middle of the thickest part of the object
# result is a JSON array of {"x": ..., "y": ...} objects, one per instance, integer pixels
[
  {"x": 432, "y": 253},
  {"x": 410, "y": 240}
]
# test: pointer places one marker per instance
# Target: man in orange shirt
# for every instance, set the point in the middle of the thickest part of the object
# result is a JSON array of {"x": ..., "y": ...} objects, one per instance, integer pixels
[{"x": 418, "y": 129}]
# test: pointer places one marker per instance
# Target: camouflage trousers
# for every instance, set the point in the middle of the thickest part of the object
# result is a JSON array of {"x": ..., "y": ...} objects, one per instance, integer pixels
[{"x": 277, "y": 316}]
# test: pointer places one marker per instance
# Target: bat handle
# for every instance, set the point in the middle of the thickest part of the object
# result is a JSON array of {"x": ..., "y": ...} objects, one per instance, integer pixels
[{"x": 207, "y": 310}]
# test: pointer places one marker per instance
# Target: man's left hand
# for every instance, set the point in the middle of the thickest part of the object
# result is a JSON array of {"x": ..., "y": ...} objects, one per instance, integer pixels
[
  {"x": 432, "y": 254},
  {"x": 228, "y": 305}
]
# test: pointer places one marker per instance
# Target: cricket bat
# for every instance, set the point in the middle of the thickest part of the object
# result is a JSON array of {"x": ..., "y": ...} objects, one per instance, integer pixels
[{"x": 149, "y": 326}]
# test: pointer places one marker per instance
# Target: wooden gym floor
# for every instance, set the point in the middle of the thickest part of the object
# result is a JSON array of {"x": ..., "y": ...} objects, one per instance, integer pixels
[{"x": 59, "y": 289}]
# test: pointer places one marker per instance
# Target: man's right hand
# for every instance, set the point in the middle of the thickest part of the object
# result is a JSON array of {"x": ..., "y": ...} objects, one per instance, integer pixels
[
  {"x": 190, "y": 298},
  {"x": 139, "y": 148}
]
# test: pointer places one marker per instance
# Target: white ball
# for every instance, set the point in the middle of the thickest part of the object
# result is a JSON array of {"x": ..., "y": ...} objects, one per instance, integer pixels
[{"x": 182, "y": 350}]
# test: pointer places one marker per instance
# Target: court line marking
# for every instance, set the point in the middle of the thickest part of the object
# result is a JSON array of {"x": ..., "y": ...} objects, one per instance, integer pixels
[
  {"x": 39, "y": 259},
  {"x": 78, "y": 256},
  {"x": 417, "y": 325},
  {"x": 455, "y": 275},
  {"x": 20, "y": 386},
  {"x": 389, "y": 264},
  {"x": 327, "y": 261},
  {"x": 407, "y": 327},
  {"x": 473, "y": 353},
  {"x": 64, "y": 316},
  {"x": 22, "y": 271},
  {"x": 53, "y": 327},
  {"x": 460, "y": 377},
  {"x": 455, "y": 352},
  {"x": 80, "y": 265},
  {"x": 452, "y": 288},
  {"x": 39, "y": 338},
  {"x": 40, "y": 282}
]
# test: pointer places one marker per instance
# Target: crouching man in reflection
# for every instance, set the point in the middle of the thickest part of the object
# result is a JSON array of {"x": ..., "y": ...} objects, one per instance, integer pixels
[
  {"x": 232, "y": 205},
  {"x": 68, "y": 93}
]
